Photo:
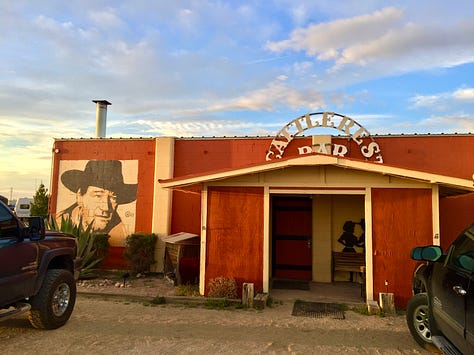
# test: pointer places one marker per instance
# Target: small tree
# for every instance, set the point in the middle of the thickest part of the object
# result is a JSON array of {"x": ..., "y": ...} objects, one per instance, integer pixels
[{"x": 39, "y": 206}]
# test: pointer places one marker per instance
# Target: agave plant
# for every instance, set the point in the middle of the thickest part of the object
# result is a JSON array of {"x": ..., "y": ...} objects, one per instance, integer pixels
[{"x": 86, "y": 248}]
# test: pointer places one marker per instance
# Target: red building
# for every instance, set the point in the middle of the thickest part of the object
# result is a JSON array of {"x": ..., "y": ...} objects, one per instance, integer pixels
[{"x": 276, "y": 207}]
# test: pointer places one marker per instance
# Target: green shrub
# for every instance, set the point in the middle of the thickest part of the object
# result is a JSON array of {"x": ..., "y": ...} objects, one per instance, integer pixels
[
  {"x": 140, "y": 250},
  {"x": 223, "y": 287}
]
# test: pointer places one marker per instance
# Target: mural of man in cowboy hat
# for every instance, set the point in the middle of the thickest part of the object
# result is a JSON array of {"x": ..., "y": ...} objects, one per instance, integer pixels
[{"x": 99, "y": 190}]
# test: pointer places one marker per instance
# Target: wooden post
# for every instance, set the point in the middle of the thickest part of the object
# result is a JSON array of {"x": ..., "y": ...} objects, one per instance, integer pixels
[{"x": 247, "y": 294}]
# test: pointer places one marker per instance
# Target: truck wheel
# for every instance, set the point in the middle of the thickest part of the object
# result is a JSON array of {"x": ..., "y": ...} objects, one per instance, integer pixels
[
  {"x": 53, "y": 305},
  {"x": 418, "y": 321}
]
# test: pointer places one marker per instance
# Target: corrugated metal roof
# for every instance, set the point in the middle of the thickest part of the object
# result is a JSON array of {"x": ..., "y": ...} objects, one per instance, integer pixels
[{"x": 382, "y": 135}]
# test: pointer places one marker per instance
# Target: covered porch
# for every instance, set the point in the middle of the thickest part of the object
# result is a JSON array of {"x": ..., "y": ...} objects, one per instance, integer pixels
[{"x": 400, "y": 208}]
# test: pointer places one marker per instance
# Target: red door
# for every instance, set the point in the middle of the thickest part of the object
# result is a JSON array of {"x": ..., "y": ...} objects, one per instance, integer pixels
[
  {"x": 292, "y": 236},
  {"x": 401, "y": 220}
]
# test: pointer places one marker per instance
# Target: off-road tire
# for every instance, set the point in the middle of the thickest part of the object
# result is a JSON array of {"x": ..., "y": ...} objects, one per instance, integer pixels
[
  {"x": 53, "y": 305},
  {"x": 417, "y": 316}
]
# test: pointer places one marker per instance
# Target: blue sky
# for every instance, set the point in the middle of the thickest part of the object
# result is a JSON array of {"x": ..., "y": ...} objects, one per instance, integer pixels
[{"x": 220, "y": 68}]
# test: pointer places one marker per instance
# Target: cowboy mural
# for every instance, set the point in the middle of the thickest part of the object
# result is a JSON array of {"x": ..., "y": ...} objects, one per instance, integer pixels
[{"x": 99, "y": 192}]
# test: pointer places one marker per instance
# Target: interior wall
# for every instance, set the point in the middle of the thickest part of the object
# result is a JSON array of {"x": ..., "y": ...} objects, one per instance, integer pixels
[
  {"x": 346, "y": 208},
  {"x": 329, "y": 214},
  {"x": 322, "y": 242}
]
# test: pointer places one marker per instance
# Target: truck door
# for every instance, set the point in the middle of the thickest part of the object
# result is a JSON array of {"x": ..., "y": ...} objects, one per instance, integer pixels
[
  {"x": 453, "y": 292},
  {"x": 18, "y": 259},
  {"x": 470, "y": 314}
]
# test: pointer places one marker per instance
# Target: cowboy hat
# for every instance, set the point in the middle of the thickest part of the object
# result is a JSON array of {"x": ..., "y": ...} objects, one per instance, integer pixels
[{"x": 106, "y": 174}]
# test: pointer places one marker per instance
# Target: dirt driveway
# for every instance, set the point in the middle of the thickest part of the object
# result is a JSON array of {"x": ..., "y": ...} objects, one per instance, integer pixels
[{"x": 100, "y": 326}]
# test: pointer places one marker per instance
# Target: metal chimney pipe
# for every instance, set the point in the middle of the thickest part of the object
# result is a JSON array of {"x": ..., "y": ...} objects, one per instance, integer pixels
[{"x": 100, "y": 117}]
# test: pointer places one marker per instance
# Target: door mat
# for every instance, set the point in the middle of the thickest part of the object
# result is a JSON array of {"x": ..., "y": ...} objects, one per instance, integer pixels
[
  {"x": 291, "y": 285},
  {"x": 318, "y": 310}
]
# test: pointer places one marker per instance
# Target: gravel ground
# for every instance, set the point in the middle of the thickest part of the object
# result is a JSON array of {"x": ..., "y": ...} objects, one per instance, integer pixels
[{"x": 128, "y": 323}]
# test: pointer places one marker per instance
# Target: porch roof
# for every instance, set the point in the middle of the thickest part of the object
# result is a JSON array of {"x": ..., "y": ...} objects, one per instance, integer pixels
[{"x": 448, "y": 185}]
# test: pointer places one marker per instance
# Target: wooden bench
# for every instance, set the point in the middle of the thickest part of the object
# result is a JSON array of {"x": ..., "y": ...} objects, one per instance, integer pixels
[{"x": 349, "y": 262}]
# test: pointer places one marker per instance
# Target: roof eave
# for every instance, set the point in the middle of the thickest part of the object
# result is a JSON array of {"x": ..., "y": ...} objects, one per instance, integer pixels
[{"x": 320, "y": 160}]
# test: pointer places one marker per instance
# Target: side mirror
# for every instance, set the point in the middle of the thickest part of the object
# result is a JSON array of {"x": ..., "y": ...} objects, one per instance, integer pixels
[
  {"x": 428, "y": 253},
  {"x": 36, "y": 228}
]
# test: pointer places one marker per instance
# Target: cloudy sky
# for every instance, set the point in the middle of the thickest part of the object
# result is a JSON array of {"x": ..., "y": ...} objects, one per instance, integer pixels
[{"x": 220, "y": 68}]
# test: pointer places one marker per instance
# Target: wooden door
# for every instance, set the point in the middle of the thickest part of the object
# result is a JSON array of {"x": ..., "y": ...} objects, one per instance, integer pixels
[
  {"x": 401, "y": 220},
  {"x": 234, "y": 238},
  {"x": 292, "y": 237}
]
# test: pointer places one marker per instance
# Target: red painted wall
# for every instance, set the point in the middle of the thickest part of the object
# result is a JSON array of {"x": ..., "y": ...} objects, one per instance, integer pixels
[
  {"x": 449, "y": 155},
  {"x": 142, "y": 150},
  {"x": 193, "y": 156},
  {"x": 445, "y": 154},
  {"x": 186, "y": 211},
  {"x": 456, "y": 213}
]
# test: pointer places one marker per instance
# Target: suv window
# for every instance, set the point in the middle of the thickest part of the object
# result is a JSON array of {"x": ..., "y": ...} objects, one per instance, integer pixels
[
  {"x": 8, "y": 226},
  {"x": 462, "y": 252}
]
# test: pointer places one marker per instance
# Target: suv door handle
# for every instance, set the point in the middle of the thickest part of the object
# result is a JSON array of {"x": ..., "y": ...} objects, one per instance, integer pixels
[{"x": 459, "y": 290}]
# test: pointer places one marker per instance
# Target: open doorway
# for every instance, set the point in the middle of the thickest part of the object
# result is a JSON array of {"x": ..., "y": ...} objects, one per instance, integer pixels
[
  {"x": 292, "y": 237},
  {"x": 306, "y": 232}
]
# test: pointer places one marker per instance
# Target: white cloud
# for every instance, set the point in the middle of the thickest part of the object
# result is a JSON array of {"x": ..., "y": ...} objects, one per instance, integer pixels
[
  {"x": 384, "y": 42},
  {"x": 26, "y": 144},
  {"x": 183, "y": 68},
  {"x": 106, "y": 18},
  {"x": 458, "y": 122},
  {"x": 413, "y": 47},
  {"x": 465, "y": 94},
  {"x": 325, "y": 40},
  {"x": 276, "y": 94},
  {"x": 445, "y": 100},
  {"x": 203, "y": 127},
  {"x": 428, "y": 100}
]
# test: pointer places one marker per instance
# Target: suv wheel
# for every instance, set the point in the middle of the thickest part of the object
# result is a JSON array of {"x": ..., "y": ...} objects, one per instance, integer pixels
[
  {"x": 53, "y": 305},
  {"x": 418, "y": 321}
]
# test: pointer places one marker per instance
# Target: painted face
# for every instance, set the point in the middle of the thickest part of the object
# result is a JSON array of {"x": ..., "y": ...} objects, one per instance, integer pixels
[{"x": 98, "y": 207}]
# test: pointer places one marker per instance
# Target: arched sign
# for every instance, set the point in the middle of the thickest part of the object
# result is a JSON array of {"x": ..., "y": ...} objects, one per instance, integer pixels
[{"x": 370, "y": 150}]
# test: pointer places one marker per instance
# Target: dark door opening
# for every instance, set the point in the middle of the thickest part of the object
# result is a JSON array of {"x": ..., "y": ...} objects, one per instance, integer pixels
[{"x": 292, "y": 237}]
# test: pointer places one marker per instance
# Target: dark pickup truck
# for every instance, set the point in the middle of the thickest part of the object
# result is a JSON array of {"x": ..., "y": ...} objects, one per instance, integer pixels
[
  {"x": 440, "y": 315},
  {"x": 38, "y": 271}
]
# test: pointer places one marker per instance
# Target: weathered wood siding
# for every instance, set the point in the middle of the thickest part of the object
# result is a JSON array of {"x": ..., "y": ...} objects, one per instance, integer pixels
[
  {"x": 402, "y": 219},
  {"x": 234, "y": 235}
]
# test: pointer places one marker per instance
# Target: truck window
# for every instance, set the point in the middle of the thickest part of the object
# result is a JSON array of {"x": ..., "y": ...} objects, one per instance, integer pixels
[
  {"x": 462, "y": 254},
  {"x": 8, "y": 226}
]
